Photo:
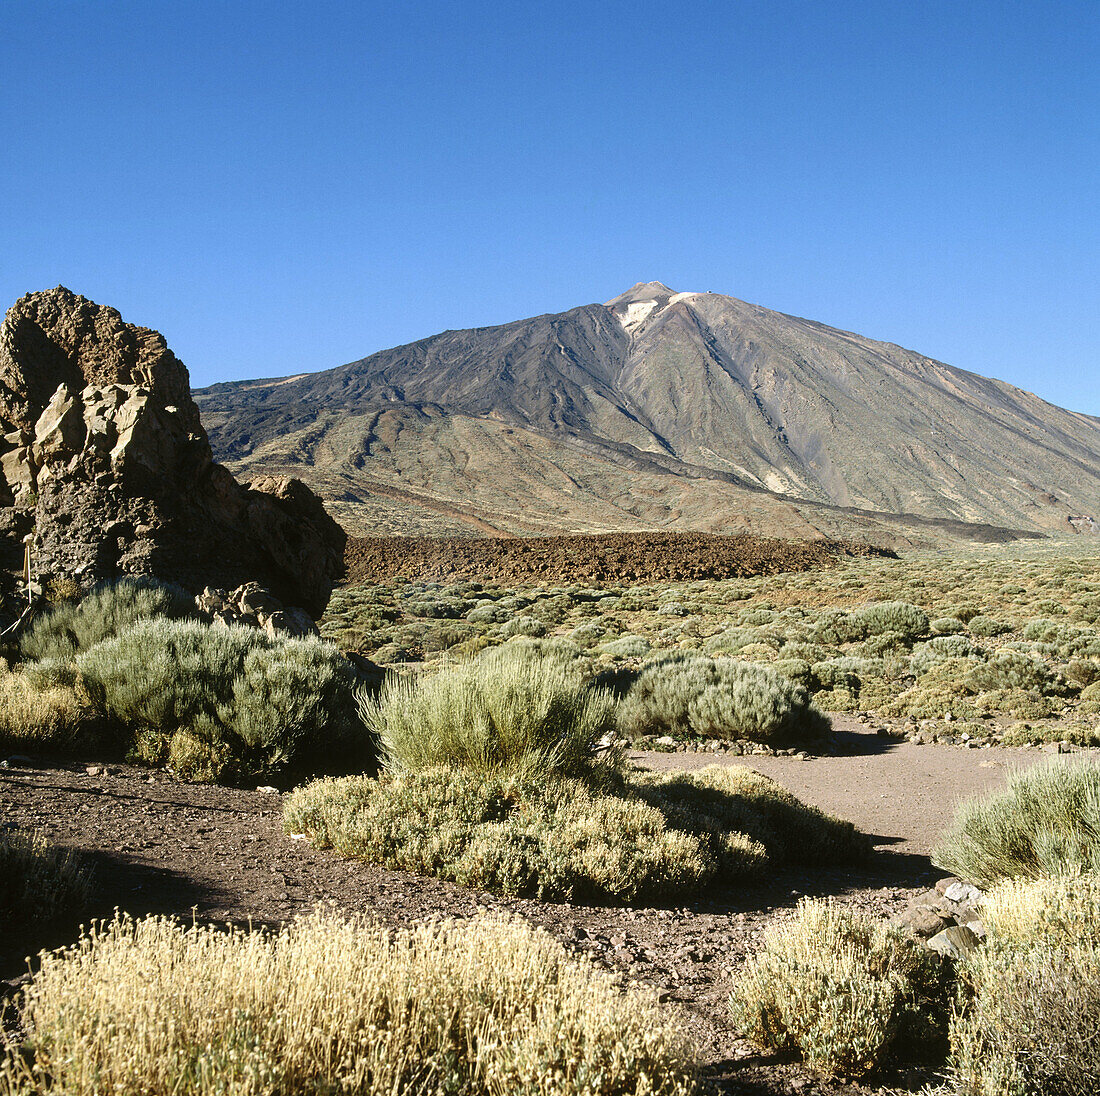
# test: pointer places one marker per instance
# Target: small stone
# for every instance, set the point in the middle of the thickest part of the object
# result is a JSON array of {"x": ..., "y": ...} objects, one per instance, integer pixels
[
  {"x": 267, "y": 789},
  {"x": 963, "y": 894},
  {"x": 95, "y": 770},
  {"x": 954, "y": 942}
]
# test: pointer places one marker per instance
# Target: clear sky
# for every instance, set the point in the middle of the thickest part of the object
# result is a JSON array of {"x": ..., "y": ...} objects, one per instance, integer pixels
[{"x": 282, "y": 187}]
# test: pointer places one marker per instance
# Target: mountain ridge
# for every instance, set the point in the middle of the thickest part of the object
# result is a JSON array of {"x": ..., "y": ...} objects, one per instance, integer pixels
[{"x": 681, "y": 389}]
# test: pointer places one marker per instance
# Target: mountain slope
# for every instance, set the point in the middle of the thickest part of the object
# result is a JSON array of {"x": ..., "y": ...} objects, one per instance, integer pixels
[{"x": 661, "y": 409}]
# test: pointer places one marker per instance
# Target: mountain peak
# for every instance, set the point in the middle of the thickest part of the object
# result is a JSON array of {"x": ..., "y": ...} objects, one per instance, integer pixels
[{"x": 642, "y": 291}]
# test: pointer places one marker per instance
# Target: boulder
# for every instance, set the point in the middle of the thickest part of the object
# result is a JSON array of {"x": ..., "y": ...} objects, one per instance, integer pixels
[{"x": 102, "y": 451}]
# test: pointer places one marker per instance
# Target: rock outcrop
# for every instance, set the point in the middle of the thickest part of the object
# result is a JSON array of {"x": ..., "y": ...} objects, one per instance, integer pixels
[{"x": 104, "y": 461}]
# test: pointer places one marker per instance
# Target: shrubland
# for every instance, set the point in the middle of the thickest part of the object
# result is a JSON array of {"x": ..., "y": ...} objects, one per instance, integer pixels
[
  {"x": 1015, "y": 1015},
  {"x": 1005, "y": 633},
  {"x": 130, "y": 669},
  {"x": 501, "y": 774},
  {"x": 335, "y": 1004}
]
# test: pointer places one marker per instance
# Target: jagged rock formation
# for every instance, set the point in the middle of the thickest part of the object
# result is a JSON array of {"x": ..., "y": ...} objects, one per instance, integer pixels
[
  {"x": 104, "y": 460},
  {"x": 664, "y": 410}
]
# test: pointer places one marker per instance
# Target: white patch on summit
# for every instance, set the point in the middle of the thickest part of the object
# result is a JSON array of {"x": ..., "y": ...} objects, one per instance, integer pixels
[
  {"x": 635, "y": 313},
  {"x": 682, "y": 297}
]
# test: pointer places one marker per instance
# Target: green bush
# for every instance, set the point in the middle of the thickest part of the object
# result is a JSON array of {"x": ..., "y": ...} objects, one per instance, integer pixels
[
  {"x": 1046, "y": 823},
  {"x": 107, "y": 610},
  {"x": 849, "y": 993},
  {"x": 627, "y": 646},
  {"x": 690, "y": 694},
  {"x": 986, "y": 626},
  {"x": 510, "y": 710},
  {"x": 227, "y": 703},
  {"x": 947, "y": 626},
  {"x": 332, "y": 1004},
  {"x": 523, "y": 626},
  {"x": 1014, "y": 670},
  {"x": 939, "y": 649},
  {"x": 646, "y": 836}
]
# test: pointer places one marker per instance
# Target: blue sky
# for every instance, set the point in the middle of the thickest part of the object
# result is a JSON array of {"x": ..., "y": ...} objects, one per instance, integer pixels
[{"x": 282, "y": 187}]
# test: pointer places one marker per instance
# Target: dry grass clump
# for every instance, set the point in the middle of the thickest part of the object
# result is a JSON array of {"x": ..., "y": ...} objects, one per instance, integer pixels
[
  {"x": 1029, "y": 1016},
  {"x": 40, "y": 880},
  {"x": 40, "y": 713},
  {"x": 650, "y": 836},
  {"x": 336, "y": 1005},
  {"x": 692, "y": 695},
  {"x": 849, "y": 993},
  {"x": 1047, "y": 822},
  {"x": 514, "y": 710}
]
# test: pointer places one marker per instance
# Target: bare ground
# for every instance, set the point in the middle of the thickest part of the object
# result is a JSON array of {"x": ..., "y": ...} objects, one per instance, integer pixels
[{"x": 220, "y": 854}]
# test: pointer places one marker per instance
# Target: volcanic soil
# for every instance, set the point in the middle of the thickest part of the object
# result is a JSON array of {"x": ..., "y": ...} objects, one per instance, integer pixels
[{"x": 220, "y": 854}]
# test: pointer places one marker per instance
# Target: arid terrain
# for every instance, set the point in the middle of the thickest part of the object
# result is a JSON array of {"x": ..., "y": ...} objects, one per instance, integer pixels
[
  {"x": 665, "y": 410},
  {"x": 159, "y": 846}
]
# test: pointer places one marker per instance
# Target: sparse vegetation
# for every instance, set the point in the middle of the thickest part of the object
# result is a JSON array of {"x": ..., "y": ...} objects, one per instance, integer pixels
[
  {"x": 644, "y": 836},
  {"x": 332, "y": 1004},
  {"x": 849, "y": 993},
  {"x": 40, "y": 879},
  {"x": 1032, "y": 1003},
  {"x": 1046, "y": 823}
]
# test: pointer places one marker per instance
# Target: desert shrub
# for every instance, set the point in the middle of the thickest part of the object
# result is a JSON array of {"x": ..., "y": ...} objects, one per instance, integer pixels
[
  {"x": 489, "y": 612},
  {"x": 227, "y": 703},
  {"x": 797, "y": 670},
  {"x": 737, "y": 799},
  {"x": 1030, "y": 1029},
  {"x": 511, "y": 710},
  {"x": 1019, "y": 912},
  {"x": 671, "y": 608},
  {"x": 836, "y": 627},
  {"x": 1027, "y": 1025},
  {"x": 893, "y": 616},
  {"x": 41, "y": 707},
  {"x": 843, "y": 673},
  {"x": 335, "y": 1004},
  {"x": 586, "y": 635},
  {"x": 627, "y": 646},
  {"x": 986, "y": 626},
  {"x": 732, "y": 639},
  {"x": 1014, "y": 670},
  {"x": 109, "y": 609},
  {"x": 1047, "y": 822},
  {"x": 886, "y": 643},
  {"x": 645, "y": 836},
  {"x": 940, "y": 648},
  {"x": 1024, "y": 734},
  {"x": 849, "y": 993},
  {"x": 40, "y": 879},
  {"x": 1083, "y": 672},
  {"x": 947, "y": 626},
  {"x": 523, "y": 626},
  {"x": 756, "y": 617},
  {"x": 689, "y": 694}
]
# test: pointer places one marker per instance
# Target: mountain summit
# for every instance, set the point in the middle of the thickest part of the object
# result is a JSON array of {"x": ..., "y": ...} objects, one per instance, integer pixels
[{"x": 662, "y": 409}]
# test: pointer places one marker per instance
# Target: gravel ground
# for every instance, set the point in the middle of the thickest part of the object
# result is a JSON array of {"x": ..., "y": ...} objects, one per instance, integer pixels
[{"x": 220, "y": 854}]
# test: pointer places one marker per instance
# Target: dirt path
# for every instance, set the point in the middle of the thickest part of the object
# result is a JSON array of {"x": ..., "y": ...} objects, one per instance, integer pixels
[
  {"x": 887, "y": 787},
  {"x": 220, "y": 854}
]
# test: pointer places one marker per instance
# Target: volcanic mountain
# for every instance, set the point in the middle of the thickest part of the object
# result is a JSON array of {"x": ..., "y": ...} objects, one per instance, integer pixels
[{"x": 663, "y": 410}]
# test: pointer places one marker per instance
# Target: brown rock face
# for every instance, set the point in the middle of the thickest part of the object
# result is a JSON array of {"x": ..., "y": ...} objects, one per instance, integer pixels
[{"x": 103, "y": 453}]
